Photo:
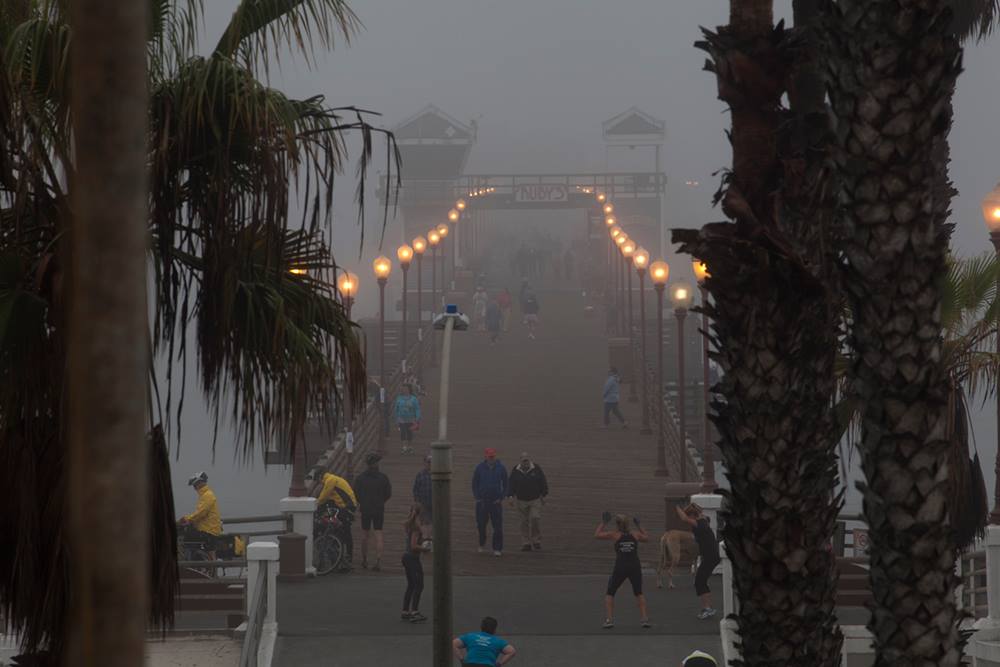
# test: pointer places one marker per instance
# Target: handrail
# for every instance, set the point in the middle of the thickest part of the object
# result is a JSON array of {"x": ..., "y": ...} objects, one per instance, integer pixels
[{"x": 255, "y": 619}]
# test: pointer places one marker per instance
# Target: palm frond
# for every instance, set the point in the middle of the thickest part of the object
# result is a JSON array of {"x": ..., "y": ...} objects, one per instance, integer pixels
[
  {"x": 260, "y": 28},
  {"x": 974, "y": 19}
]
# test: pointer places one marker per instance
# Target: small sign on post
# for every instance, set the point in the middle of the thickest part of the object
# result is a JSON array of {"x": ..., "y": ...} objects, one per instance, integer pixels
[
  {"x": 861, "y": 542},
  {"x": 349, "y": 442}
]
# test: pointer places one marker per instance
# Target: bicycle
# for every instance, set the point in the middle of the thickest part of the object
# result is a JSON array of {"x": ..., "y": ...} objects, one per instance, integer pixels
[{"x": 329, "y": 552}]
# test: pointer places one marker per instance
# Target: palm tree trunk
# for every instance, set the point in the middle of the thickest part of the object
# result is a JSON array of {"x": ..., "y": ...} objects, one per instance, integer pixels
[
  {"x": 107, "y": 352},
  {"x": 774, "y": 325},
  {"x": 894, "y": 70}
]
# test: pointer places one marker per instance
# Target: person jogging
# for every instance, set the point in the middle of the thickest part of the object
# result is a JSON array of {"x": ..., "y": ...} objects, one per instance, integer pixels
[
  {"x": 413, "y": 567},
  {"x": 406, "y": 409},
  {"x": 708, "y": 549},
  {"x": 612, "y": 394},
  {"x": 373, "y": 490},
  {"x": 483, "y": 648},
  {"x": 489, "y": 488},
  {"x": 627, "y": 565},
  {"x": 531, "y": 309}
]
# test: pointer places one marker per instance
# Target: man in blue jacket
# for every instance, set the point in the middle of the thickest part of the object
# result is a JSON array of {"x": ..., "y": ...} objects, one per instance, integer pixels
[{"x": 489, "y": 487}]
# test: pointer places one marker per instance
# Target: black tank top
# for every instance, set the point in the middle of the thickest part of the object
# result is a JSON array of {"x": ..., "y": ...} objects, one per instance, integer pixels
[{"x": 626, "y": 550}]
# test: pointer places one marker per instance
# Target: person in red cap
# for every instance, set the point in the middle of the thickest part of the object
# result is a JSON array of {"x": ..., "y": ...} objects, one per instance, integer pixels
[{"x": 489, "y": 487}]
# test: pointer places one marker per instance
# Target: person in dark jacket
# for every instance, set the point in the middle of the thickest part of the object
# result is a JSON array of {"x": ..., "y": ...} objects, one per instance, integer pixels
[
  {"x": 528, "y": 488},
  {"x": 489, "y": 487},
  {"x": 373, "y": 490}
]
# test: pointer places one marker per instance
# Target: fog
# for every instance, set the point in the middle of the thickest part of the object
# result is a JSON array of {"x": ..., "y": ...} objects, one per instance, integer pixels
[{"x": 539, "y": 77}]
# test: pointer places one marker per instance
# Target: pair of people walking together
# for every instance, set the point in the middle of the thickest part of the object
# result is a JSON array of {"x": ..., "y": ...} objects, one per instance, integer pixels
[{"x": 527, "y": 488}]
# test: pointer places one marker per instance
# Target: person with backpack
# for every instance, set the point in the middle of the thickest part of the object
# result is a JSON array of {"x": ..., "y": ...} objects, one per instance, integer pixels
[{"x": 373, "y": 490}]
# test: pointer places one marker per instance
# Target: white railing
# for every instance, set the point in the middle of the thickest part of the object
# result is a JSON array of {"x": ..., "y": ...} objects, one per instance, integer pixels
[{"x": 261, "y": 627}]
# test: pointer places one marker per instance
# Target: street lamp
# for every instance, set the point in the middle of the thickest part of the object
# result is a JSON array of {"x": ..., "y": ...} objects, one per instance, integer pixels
[
  {"x": 640, "y": 260},
  {"x": 681, "y": 296},
  {"x": 708, "y": 484},
  {"x": 382, "y": 267},
  {"x": 419, "y": 247},
  {"x": 404, "y": 254},
  {"x": 620, "y": 260},
  {"x": 609, "y": 209},
  {"x": 433, "y": 240},
  {"x": 460, "y": 204},
  {"x": 443, "y": 229},
  {"x": 453, "y": 215},
  {"x": 610, "y": 221},
  {"x": 601, "y": 197},
  {"x": 628, "y": 249},
  {"x": 347, "y": 285},
  {"x": 659, "y": 271},
  {"x": 991, "y": 214}
]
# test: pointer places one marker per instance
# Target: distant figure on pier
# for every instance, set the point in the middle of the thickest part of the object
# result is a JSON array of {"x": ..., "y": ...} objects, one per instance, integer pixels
[
  {"x": 489, "y": 488},
  {"x": 406, "y": 410},
  {"x": 479, "y": 301},
  {"x": 612, "y": 395},
  {"x": 422, "y": 496},
  {"x": 531, "y": 308},
  {"x": 506, "y": 302},
  {"x": 494, "y": 321},
  {"x": 374, "y": 490},
  {"x": 528, "y": 489},
  {"x": 415, "y": 545}
]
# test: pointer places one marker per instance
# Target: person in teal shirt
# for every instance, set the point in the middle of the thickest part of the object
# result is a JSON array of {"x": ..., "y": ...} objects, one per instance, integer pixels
[
  {"x": 407, "y": 412},
  {"x": 483, "y": 649}
]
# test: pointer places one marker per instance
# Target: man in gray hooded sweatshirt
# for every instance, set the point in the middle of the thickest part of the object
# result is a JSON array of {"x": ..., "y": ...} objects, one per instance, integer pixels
[{"x": 612, "y": 393}]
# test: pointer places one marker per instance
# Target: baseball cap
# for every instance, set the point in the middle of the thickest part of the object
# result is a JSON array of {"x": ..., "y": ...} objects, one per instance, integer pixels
[
  {"x": 699, "y": 659},
  {"x": 490, "y": 452},
  {"x": 372, "y": 459}
]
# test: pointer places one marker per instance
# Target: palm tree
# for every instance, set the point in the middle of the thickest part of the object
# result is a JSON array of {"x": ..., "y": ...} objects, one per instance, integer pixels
[
  {"x": 895, "y": 63},
  {"x": 775, "y": 313},
  {"x": 227, "y": 158}
]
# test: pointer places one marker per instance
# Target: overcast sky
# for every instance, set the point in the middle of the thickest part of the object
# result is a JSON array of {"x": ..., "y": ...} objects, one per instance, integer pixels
[{"x": 541, "y": 75}]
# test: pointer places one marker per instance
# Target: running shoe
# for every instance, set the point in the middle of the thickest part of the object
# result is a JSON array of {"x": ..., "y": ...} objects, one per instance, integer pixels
[
  {"x": 497, "y": 554},
  {"x": 406, "y": 615},
  {"x": 646, "y": 624},
  {"x": 608, "y": 624},
  {"x": 481, "y": 550},
  {"x": 417, "y": 617},
  {"x": 707, "y": 613}
]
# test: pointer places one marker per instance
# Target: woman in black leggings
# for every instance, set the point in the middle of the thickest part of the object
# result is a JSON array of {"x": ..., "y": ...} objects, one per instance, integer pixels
[
  {"x": 627, "y": 565},
  {"x": 413, "y": 568},
  {"x": 708, "y": 549}
]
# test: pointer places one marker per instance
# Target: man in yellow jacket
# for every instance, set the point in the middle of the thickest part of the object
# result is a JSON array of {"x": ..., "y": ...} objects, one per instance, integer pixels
[
  {"x": 338, "y": 491},
  {"x": 205, "y": 518}
]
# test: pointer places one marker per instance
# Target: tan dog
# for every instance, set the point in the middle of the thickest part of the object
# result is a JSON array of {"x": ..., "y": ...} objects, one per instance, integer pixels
[{"x": 670, "y": 548}]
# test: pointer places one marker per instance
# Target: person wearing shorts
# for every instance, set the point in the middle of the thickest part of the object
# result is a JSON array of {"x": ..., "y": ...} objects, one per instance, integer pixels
[
  {"x": 708, "y": 549},
  {"x": 530, "y": 310},
  {"x": 373, "y": 490},
  {"x": 627, "y": 564}
]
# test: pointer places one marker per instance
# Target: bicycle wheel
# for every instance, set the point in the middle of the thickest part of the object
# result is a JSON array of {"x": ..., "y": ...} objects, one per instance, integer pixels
[{"x": 328, "y": 551}]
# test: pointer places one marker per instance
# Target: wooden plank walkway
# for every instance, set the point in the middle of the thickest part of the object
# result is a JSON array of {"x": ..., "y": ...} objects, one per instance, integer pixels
[{"x": 542, "y": 396}]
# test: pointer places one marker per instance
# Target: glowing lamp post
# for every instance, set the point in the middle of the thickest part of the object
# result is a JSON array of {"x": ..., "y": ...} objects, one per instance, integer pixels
[
  {"x": 659, "y": 271},
  {"x": 681, "y": 295},
  {"x": 382, "y": 268},
  {"x": 609, "y": 209},
  {"x": 347, "y": 285},
  {"x": 628, "y": 249},
  {"x": 404, "y": 254},
  {"x": 443, "y": 229},
  {"x": 991, "y": 214},
  {"x": 620, "y": 239},
  {"x": 419, "y": 247},
  {"x": 708, "y": 484},
  {"x": 601, "y": 197},
  {"x": 640, "y": 260},
  {"x": 433, "y": 240}
]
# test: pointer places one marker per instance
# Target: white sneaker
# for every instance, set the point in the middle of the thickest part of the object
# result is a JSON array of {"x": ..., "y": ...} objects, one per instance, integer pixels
[
  {"x": 497, "y": 554},
  {"x": 481, "y": 550}
]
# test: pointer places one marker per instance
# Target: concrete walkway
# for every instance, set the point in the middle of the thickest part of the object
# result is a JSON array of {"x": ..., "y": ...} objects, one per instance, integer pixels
[
  {"x": 208, "y": 651},
  {"x": 553, "y": 621}
]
